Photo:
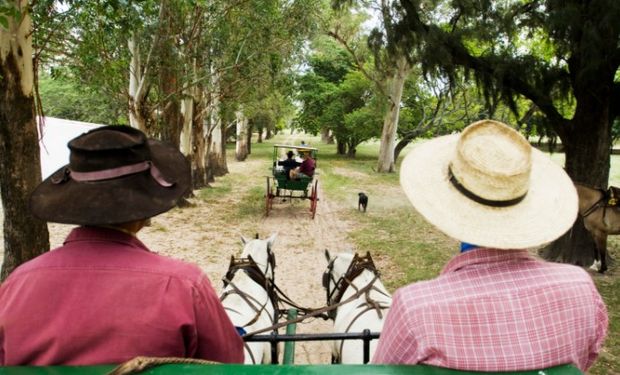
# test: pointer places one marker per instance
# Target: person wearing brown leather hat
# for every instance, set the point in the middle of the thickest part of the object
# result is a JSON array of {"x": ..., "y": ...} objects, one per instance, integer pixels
[{"x": 103, "y": 297}]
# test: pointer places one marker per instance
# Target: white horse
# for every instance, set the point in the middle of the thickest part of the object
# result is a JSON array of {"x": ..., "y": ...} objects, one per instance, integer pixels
[
  {"x": 248, "y": 297},
  {"x": 346, "y": 276}
]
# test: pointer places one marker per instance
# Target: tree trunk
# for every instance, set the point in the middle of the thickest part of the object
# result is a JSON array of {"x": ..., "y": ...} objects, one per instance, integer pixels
[
  {"x": 259, "y": 130},
  {"x": 399, "y": 147},
  {"x": 20, "y": 165},
  {"x": 217, "y": 150},
  {"x": 351, "y": 151},
  {"x": 187, "y": 114},
  {"x": 326, "y": 136},
  {"x": 404, "y": 142},
  {"x": 171, "y": 120},
  {"x": 241, "y": 151},
  {"x": 587, "y": 144},
  {"x": 341, "y": 147},
  {"x": 390, "y": 120},
  {"x": 250, "y": 130},
  {"x": 138, "y": 112},
  {"x": 199, "y": 146}
]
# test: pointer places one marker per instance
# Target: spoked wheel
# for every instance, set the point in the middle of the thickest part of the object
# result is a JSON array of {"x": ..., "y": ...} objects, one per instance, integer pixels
[
  {"x": 314, "y": 198},
  {"x": 268, "y": 197}
]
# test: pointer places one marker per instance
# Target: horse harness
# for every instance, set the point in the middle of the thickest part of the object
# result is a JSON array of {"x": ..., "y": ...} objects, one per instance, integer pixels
[
  {"x": 609, "y": 198},
  {"x": 357, "y": 266},
  {"x": 249, "y": 266}
]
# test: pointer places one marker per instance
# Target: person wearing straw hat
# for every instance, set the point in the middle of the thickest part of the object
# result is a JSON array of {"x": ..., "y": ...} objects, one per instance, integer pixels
[
  {"x": 494, "y": 307},
  {"x": 103, "y": 297}
]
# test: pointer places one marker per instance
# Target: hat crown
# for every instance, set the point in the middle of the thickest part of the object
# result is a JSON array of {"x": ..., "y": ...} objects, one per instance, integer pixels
[
  {"x": 108, "y": 147},
  {"x": 492, "y": 161}
]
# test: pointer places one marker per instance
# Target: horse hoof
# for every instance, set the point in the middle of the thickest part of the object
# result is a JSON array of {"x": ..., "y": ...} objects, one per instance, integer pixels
[{"x": 596, "y": 266}]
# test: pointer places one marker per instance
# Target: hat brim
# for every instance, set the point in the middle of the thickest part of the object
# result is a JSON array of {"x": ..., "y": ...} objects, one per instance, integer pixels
[
  {"x": 548, "y": 210},
  {"x": 114, "y": 201}
]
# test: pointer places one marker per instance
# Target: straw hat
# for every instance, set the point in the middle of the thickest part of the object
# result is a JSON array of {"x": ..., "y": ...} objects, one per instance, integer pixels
[
  {"x": 487, "y": 186},
  {"x": 115, "y": 175}
]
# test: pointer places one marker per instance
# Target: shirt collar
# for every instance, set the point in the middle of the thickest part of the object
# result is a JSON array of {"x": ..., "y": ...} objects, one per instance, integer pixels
[
  {"x": 105, "y": 234},
  {"x": 484, "y": 256}
]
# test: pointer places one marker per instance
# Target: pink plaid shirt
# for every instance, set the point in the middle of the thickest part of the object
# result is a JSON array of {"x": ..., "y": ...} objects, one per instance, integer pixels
[{"x": 496, "y": 310}]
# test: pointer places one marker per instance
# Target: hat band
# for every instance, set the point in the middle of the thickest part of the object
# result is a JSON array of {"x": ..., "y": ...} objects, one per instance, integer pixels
[
  {"x": 107, "y": 174},
  {"x": 476, "y": 198}
]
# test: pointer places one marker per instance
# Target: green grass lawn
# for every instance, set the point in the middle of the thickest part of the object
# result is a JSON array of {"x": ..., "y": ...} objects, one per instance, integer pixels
[{"x": 408, "y": 248}]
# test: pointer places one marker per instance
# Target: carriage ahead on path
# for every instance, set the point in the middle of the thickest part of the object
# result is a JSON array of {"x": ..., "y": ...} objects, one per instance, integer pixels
[{"x": 280, "y": 185}]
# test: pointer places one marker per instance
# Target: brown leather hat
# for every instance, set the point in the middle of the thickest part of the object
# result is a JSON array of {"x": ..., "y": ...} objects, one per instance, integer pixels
[{"x": 115, "y": 175}]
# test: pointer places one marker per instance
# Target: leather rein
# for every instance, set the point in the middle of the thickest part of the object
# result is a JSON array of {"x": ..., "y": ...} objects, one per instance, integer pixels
[
  {"x": 606, "y": 200},
  {"x": 251, "y": 268}
]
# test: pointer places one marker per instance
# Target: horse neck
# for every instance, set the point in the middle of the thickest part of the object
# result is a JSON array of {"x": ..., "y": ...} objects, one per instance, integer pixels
[
  {"x": 587, "y": 197},
  {"x": 361, "y": 281},
  {"x": 261, "y": 261}
]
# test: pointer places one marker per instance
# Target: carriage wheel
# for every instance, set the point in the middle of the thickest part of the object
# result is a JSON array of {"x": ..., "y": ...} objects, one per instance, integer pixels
[
  {"x": 268, "y": 197},
  {"x": 314, "y": 198}
]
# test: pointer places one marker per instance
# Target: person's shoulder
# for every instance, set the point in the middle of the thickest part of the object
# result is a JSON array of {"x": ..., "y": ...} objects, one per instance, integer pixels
[
  {"x": 177, "y": 268},
  {"x": 418, "y": 291},
  {"x": 565, "y": 271}
]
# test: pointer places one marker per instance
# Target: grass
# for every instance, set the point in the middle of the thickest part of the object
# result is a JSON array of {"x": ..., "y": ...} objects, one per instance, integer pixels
[{"x": 409, "y": 249}]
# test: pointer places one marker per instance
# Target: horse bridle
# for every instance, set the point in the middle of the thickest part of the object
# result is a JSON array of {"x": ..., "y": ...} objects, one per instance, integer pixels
[
  {"x": 357, "y": 266},
  {"x": 251, "y": 268}
]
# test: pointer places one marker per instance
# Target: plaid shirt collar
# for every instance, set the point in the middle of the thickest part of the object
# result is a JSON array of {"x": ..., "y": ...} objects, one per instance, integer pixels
[{"x": 485, "y": 256}]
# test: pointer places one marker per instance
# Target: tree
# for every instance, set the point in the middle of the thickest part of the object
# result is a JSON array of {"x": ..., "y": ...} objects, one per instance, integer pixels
[
  {"x": 63, "y": 98},
  {"x": 563, "y": 56},
  {"x": 20, "y": 168},
  {"x": 337, "y": 97},
  {"x": 392, "y": 66}
]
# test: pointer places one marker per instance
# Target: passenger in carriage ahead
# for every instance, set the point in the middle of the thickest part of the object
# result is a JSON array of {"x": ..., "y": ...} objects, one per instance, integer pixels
[
  {"x": 289, "y": 163},
  {"x": 495, "y": 307},
  {"x": 103, "y": 297},
  {"x": 306, "y": 169}
]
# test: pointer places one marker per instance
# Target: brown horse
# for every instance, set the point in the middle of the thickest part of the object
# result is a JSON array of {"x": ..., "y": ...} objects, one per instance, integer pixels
[{"x": 600, "y": 211}]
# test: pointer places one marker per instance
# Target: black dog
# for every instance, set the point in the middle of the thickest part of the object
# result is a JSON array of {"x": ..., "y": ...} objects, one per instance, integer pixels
[{"x": 362, "y": 201}]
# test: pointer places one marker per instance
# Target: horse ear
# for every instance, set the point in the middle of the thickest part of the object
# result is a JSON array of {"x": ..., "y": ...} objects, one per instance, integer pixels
[
  {"x": 328, "y": 256},
  {"x": 243, "y": 240},
  {"x": 272, "y": 239},
  {"x": 256, "y": 236}
]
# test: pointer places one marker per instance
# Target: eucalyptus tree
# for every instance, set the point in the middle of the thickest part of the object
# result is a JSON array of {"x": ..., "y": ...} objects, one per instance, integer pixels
[
  {"x": 20, "y": 169},
  {"x": 259, "y": 42},
  {"x": 391, "y": 67},
  {"x": 563, "y": 56}
]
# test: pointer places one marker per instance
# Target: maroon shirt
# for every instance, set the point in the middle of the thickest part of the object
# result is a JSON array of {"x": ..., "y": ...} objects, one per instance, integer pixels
[
  {"x": 103, "y": 297},
  {"x": 307, "y": 167}
]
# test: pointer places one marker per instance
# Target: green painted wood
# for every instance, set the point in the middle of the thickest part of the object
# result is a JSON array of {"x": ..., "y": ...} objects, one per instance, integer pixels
[
  {"x": 289, "y": 347},
  {"x": 277, "y": 370},
  {"x": 297, "y": 185}
]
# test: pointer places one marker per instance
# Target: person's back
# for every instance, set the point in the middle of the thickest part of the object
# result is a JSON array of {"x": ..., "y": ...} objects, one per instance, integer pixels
[
  {"x": 496, "y": 310},
  {"x": 289, "y": 163},
  {"x": 103, "y": 297},
  {"x": 307, "y": 166},
  {"x": 494, "y": 307}
]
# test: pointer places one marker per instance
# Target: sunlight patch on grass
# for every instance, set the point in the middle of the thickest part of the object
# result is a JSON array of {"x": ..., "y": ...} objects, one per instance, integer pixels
[{"x": 214, "y": 192}]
